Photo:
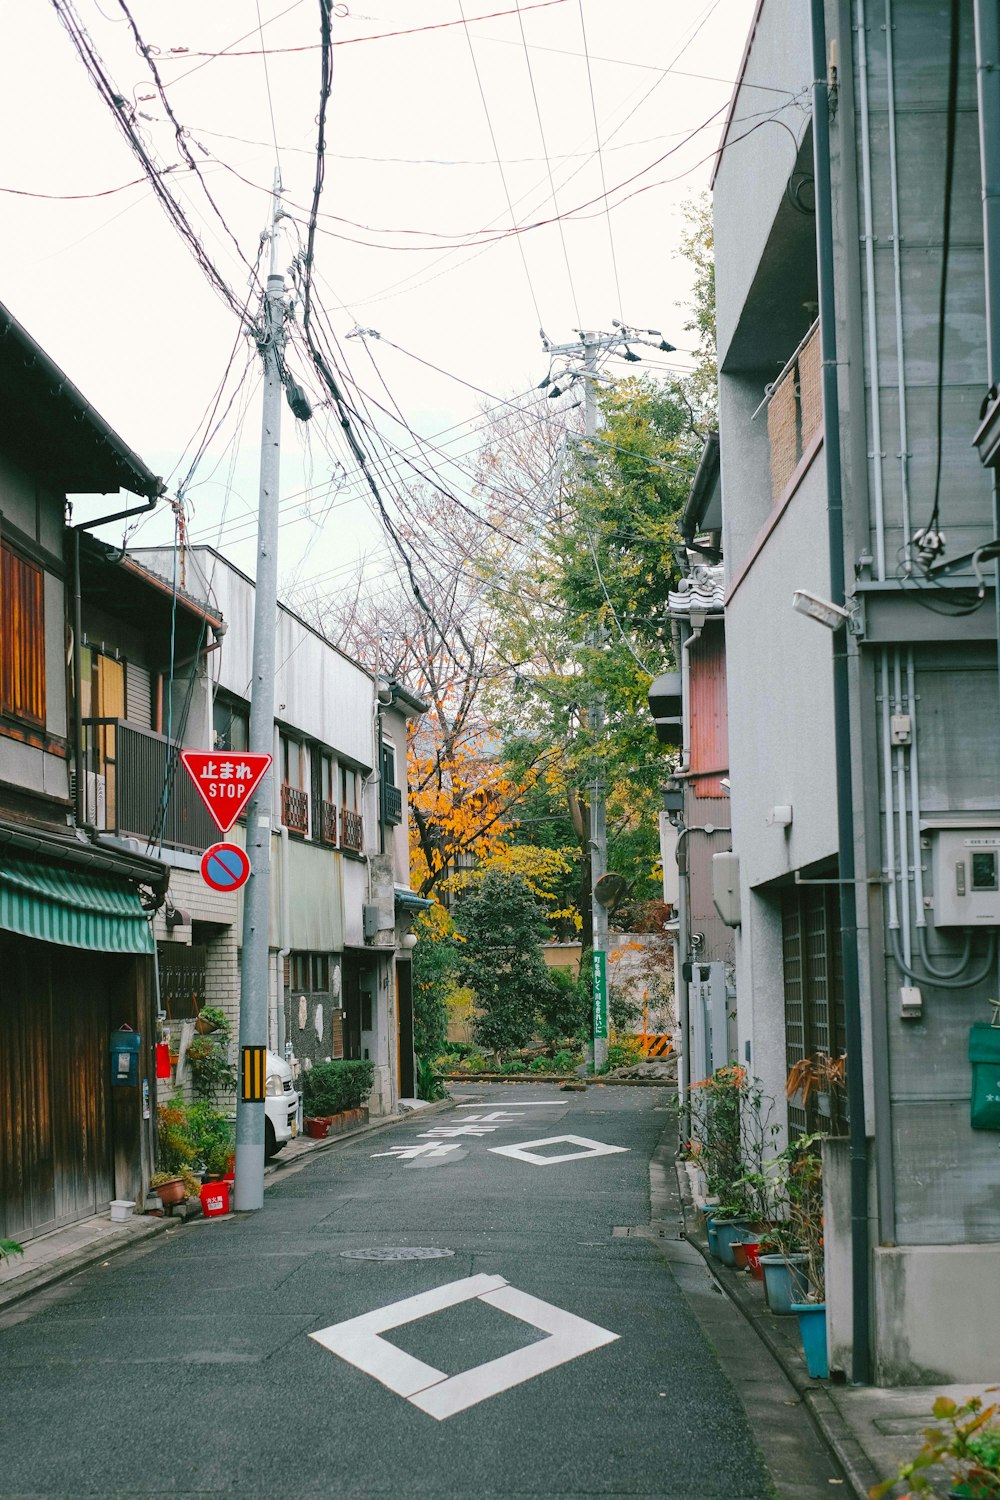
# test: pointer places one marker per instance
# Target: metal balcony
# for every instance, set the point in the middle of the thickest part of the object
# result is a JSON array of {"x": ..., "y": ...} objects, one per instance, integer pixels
[{"x": 136, "y": 787}]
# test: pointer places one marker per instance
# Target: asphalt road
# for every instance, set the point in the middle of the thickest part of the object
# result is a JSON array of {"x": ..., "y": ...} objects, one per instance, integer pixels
[{"x": 190, "y": 1367}]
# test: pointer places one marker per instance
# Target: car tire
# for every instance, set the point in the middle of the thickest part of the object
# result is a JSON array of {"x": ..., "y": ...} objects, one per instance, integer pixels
[{"x": 271, "y": 1146}]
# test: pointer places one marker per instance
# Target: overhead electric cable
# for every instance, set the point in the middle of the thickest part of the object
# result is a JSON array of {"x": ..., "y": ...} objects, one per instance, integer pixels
[
  {"x": 548, "y": 163},
  {"x": 503, "y": 175},
  {"x": 600, "y": 159}
]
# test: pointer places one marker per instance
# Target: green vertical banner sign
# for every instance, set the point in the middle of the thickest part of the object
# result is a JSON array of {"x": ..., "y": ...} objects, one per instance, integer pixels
[{"x": 600, "y": 962}]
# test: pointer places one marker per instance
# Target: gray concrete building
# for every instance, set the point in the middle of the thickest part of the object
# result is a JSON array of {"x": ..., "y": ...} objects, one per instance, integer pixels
[{"x": 920, "y": 774}]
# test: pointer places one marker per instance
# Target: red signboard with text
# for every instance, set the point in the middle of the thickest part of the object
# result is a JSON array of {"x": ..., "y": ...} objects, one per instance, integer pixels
[{"x": 225, "y": 780}]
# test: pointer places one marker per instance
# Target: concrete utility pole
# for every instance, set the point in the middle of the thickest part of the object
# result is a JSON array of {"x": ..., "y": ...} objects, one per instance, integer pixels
[
  {"x": 254, "y": 971},
  {"x": 586, "y": 350}
]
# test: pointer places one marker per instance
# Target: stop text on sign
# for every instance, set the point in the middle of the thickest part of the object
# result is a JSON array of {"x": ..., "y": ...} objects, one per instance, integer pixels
[{"x": 225, "y": 781}]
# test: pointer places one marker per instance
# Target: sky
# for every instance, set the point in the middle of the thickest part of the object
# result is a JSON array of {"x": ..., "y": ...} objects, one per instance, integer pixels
[{"x": 585, "y": 123}]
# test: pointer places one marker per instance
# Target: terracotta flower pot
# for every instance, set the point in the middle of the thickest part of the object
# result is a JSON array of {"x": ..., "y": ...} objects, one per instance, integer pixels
[{"x": 171, "y": 1192}]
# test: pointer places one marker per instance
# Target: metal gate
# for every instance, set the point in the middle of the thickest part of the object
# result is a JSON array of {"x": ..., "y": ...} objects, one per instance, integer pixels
[{"x": 182, "y": 979}]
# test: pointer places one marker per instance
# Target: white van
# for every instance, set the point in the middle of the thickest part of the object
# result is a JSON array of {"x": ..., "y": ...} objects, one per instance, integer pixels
[{"x": 281, "y": 1106}]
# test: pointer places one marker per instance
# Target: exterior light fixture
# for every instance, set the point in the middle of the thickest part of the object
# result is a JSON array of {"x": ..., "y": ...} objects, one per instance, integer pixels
[{"x": 822, "y": 610}]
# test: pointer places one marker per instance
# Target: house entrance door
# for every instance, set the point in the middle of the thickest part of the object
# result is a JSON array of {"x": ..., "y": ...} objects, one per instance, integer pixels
[{"x": 55, "y": 1151}]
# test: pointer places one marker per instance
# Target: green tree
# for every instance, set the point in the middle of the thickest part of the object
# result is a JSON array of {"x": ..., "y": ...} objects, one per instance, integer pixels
[
  {"x": 565, "y": 1012},
  {"x": 587, "y": 620},
  {"x": 500, "y": 926},
  {"x": 435, "y": 961}
]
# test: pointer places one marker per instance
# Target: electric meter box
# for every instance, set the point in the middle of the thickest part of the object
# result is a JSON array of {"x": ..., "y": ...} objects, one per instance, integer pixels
[{"x": 965, "y": 869}]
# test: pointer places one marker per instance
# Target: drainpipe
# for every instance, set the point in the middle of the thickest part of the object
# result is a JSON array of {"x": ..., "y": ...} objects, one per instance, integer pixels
[
  {"x": 858, "y": 1141},
  {"x": 988, "y": 98},
  {"x": 119, "y": 515},
  {"x": 285, "y": 948}
]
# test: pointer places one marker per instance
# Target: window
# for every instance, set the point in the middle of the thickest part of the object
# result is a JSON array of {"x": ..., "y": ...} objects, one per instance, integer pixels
[
  {"x": 22, "y": 639},
  {"x": 351, "y": 826},
  {"x": 294, "y": 797},
  {"x": 392, "y": 797},
  {"x": 814, "y": 994},
  {"x": 324, "y": 772},
  {"x": 231, "y": 724}
]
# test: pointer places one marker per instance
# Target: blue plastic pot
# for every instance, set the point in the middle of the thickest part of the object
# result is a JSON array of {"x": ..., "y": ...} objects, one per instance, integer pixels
[
  {"x": 784, "y": 1281},
  {"x": 710, "y": 1230},
  {"x": 727, "y": 1231},
  {"x": 812, "y": 1327}
]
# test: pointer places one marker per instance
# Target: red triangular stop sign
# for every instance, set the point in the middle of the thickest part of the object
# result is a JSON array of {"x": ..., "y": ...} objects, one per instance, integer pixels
[{"x": 226, "y": 780}]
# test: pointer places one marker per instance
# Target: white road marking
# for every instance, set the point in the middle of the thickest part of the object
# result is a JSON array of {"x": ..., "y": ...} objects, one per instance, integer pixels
[
  {"x": 588, "y": 1149},
  {"x": 357, "y": 1341},
  {"x": 442, "y": 1131},
  {"x": 407, "y": 1153},
  {"x": 523, "y": 1104},
  {"x": 496, "y": 1114}
]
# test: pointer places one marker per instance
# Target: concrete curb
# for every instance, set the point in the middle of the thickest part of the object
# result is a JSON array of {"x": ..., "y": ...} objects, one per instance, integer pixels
[
  {"x": 143, "y": 1227},
  {"x": 28, "y": 1282},
  {"x": 829, "y": 1422}
]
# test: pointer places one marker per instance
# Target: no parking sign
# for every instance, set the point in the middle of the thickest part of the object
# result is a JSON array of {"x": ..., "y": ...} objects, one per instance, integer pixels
[{"x": 225, "y": 867}]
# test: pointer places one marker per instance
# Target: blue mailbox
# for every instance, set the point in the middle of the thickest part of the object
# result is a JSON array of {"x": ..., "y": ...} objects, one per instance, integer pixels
[{"x": 124, "y": 1048}]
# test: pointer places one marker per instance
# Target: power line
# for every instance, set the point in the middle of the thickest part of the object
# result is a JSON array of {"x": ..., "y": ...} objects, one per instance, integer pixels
[
  {"x": 115, "y": 101},
  {"x": 600, "y": 159},
  {"x": 503, "y": 175},
  {"x": 548, "y": 164},
  {"x": 267, "y": 85}
]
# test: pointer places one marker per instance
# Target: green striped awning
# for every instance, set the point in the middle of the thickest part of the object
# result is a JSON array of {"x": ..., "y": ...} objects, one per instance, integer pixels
[{"x": 71, "y": 907}]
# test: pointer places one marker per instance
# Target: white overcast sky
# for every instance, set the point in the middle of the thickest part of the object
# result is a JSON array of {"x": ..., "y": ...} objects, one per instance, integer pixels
[{"x": 110, "y": 291}]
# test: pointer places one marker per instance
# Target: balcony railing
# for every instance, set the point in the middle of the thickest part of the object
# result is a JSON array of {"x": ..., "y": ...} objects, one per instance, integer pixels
[
  {"x": 294, "y": 809},
  {"x": 794, "y": 410},
  {"x": 352, "y": 835},
  {"x": 135, "y": 786},
  {"x": 392, "y": 803},
  {"x": 328, "y": 823}
]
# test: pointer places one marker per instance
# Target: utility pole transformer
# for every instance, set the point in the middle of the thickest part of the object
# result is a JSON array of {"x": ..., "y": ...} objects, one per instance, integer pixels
[{"x": 255, "y": 965}]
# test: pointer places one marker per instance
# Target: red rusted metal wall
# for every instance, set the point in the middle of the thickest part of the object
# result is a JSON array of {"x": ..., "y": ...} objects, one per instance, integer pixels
[{"x": 709, "y": 715}]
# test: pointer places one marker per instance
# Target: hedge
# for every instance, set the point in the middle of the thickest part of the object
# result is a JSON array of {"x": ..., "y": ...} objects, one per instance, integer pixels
[{"x": 330, "y": 1087}]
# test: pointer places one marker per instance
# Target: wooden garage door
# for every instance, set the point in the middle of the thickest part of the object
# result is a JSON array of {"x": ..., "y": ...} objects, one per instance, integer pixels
[{"x": 55, "y": 1160}]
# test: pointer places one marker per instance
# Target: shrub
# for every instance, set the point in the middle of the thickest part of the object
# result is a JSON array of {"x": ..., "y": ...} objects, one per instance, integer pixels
[
  {"x": 966, "y": 1445},
  {"x": 331, "y": 1087},
  {"x": 213, "y": 1137},
  {"x": 211, "y": 1073},
  {"x": 624, "y": 1052}
]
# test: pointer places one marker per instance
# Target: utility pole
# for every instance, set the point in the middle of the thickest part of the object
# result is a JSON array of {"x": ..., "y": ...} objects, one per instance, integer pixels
[
  {"x": 255, "y": 967},
  {"x": 586, "y": 350},
  {"x": 598, "y": 810}
]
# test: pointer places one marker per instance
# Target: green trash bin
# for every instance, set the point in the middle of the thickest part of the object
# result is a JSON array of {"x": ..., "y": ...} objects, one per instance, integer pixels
[{"x": 984, "y": 1055}]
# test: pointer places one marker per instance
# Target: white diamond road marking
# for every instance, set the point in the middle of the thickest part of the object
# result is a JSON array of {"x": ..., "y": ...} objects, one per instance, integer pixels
[
  {"x": 444, "y": 1131},
  {"x": 407, "y": 1153},
  {"x": 588, "y": 1149},
  {"x": 357, "y": 1341}
]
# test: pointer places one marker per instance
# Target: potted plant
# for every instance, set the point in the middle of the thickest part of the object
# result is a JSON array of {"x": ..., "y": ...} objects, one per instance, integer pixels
[
  {"x": 211, "y": 1019},
  {"x": 208, "y": 1059},
  {"x": 966, "y": 1446},
  {"x": 784, "y": 1268},
  {"x": 174, "y": 1187},
  {"x": 213, "y": 1139}
]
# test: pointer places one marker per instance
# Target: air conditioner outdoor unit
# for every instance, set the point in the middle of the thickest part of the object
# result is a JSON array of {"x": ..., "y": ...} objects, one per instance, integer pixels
[
  {"x": 95, "y": 800},
  {"x": 370, "y": 916}
]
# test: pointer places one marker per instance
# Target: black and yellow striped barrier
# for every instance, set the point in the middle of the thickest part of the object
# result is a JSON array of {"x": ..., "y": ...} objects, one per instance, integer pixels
[
  {"x": 253, "y": 1074},
  {"x": 657, "y": 1046}
]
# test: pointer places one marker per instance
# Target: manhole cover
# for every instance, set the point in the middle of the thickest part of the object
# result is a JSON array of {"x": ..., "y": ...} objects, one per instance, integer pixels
[{"x": 397, "y": 1252}]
